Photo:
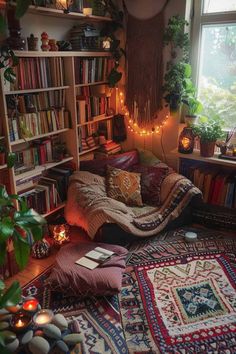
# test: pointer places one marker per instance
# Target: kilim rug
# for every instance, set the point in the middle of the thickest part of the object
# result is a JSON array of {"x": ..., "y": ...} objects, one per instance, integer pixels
[{"x": 176, "y": 298}]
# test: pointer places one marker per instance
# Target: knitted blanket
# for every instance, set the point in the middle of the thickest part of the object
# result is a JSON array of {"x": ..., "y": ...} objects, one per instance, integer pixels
[{"x": 89, "y": 207}]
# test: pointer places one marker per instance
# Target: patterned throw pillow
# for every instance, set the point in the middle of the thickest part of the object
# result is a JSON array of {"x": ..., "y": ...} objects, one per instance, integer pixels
[{"x": 124, "y": 186}]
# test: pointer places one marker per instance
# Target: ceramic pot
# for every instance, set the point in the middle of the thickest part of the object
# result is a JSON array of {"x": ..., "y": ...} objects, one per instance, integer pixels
[{"x": 207, "y": 148}]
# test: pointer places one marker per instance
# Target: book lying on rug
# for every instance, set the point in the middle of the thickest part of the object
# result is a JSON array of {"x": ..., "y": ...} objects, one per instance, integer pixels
[{"x": 93, "y": 258}]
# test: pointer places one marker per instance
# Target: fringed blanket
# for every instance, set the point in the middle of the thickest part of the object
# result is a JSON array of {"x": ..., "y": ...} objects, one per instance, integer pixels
[{"x": 89, "y": 207}]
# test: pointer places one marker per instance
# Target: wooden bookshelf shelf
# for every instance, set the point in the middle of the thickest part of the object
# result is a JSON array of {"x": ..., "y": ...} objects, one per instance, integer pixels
[
  {"x": 38, "y": 54},
  {"x": 59, "y": 207},
  {"x": 92, "y": 84},
  {"x": 3, "y": 166},
  {"x": 95, "y": 120},
  {"x": 45, "y": 11},
  {"x": 2, "y": 137},
  {"x": 21, "y": 141},
  {"x": 38, "y": 170},
  {"x": 213, "y": 160},
  {"x": 89, "y": 150},
  {"x": 16, "y": 92}
]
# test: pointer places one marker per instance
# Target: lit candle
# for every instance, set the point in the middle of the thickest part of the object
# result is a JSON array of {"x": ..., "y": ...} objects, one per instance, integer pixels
[
  {"x": 43, "y": 317},
  {"x": 20, "y": 321},
  {"x": 87, "y": 11},
  {"x": 30, "y": 305}
]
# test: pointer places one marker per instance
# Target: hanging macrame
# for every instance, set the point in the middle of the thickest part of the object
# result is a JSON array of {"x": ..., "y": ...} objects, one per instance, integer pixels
[{"x": 144, "y": 45}]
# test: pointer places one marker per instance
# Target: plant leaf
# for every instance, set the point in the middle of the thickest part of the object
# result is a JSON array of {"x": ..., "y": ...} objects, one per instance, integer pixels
[
  {"x": 12, "y": 295},
  {"x": 22, "y": 7},
  {"x": 9, "y": 75},
  {"x": 28, "y": 218},
  {"x": 6, "y": 227},
  {"x": 22, "y": 252},
  {"x": 37, "y": 233},
  {"x": 11, "y": 158}
]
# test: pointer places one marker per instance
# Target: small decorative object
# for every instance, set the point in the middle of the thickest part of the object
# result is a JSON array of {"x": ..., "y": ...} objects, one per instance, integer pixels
[
  {"x": 43, "y": 317},
  {"x": 186, "y": 141},
  {"x": 45, "y": 46},
  {"x": 61, "y": 234},
  {"x": 30, "y": 306},
  {"x": 41, "y": 249},
  {"x": 32, "y": 42},
  {"x": 64, "y": 46},
  {"x": 21, "y": 321},
  {"x": 87, "y": 11},
  {"x": 106, "y": 44},
  {"x": 190, "y": 236},
  {"x": 59, "y": 151},
  {"x": 86, "y": 37},
  {"x": 53, "y": 45}
]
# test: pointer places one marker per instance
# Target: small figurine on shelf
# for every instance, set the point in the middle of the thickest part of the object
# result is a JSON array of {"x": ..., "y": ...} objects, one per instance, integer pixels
[
  {"x": 32, "y": 42},
  {"x": 45, "y": 46},
  {"x": 53, "y": 45}
]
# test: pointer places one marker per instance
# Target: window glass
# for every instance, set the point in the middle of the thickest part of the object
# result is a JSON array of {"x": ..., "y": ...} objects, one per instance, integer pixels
[
  {"x": 217, "y": 74},
  {"x": 213, "y": 6}
]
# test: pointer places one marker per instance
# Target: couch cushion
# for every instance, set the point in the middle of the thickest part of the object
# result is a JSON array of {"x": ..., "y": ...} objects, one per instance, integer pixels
[
  {"x": 124, "y": 186},
  {"x": 147, "y": 158},
  {"x": 124, "y": 161},
  {"x": 73, "y": 279},
  {"x": 151, "y": 180}
]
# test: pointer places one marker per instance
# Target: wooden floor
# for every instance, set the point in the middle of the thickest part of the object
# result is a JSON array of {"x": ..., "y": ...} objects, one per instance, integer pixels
[{"x": 37, "y": 266}]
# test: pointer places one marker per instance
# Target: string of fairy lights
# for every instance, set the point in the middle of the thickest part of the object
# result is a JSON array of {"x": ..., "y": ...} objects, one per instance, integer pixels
[{"x": 132, "y": 124}]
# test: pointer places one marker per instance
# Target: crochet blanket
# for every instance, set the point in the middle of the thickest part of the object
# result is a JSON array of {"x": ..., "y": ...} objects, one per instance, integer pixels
[{"x": 89, "y": 207}]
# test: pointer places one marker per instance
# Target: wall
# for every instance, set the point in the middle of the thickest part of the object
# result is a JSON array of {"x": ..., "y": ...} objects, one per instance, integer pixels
[{"x": 146, "y": 9}]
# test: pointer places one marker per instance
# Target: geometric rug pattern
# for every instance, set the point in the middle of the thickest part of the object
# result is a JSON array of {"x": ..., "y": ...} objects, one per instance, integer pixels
[{"x": 176, "y": 298}]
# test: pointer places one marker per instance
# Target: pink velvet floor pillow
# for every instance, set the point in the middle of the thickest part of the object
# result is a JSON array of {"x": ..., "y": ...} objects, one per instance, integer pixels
[{"x": 73, "y": 279}]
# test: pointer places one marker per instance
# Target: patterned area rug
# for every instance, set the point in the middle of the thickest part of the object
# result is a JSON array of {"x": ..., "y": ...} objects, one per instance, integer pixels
[{"x": 176, "y": 298}]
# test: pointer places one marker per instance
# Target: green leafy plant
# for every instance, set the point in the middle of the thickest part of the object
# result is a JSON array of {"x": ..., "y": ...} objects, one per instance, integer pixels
[
  {"x": 15, "y": 225},
  {"x": 178, "y": 86},
  {"x": 208, "y": 129}
]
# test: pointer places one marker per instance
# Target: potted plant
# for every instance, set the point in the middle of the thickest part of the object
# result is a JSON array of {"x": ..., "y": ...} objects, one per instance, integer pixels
[
  {"x": 15, "y": 225},
  {"x": 2, "y": 155},
  {"x": 208, "y": 130}
]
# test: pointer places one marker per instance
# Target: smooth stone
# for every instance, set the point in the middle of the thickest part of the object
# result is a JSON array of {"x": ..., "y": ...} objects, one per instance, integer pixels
[
  {"x": 74, "y": 326},
  {"x": 62, "y": 346},
  {"x": 73, "y": 338},
  {"x": 39, "y": 345},
  {"x": 4, "y": 325},
  {"x": 60, "y": 321},
  {"x": 9, "y": 336},
  {"x": 52, "y": 331},
  {"x": 27, "y": 337},
  {"x": 13, "y": 346},
  {"x": 6, "y": 317},
  {"x": 3, "y": 312}
]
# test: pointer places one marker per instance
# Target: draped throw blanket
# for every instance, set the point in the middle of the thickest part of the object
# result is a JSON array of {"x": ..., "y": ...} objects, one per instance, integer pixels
[
  {"x": 89, "y": 207},
  {"x": 144, "y": 45}
]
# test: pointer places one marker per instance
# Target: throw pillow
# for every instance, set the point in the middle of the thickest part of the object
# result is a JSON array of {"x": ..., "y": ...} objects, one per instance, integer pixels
[
  {"x": 147, "y": 158},
  {"x": 124, "y": 186},
  {"x": 151, "y": 180},
  {"x": 72, "y": 279}
]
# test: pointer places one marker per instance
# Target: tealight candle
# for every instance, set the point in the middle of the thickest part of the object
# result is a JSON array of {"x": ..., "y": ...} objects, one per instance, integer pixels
[
  {"x": 87, "y": 11},
  {"x": 30, "y": 305},
  {"x": 43, "y": 317},
  {"x": 21, "y": 321},
  {"x": 190, "y": 236}
]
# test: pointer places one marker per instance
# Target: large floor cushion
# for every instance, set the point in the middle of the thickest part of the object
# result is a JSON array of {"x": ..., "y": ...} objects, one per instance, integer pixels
[{"x": 73, "y": 279}]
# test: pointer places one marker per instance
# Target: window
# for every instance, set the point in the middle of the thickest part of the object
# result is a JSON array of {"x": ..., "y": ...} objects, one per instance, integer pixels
[{"x": 215, "y": 55}]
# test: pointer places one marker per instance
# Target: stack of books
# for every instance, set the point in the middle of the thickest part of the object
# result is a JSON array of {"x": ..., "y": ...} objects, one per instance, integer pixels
[{"x": 110, "y": 148}]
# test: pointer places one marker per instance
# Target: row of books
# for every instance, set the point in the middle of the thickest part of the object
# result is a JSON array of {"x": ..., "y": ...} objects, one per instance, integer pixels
[
  {"x": 50, "y": 190},
  {"x": 218, "y": 187},
  {"x": 89, "y": 70},
  {"x": 89, "y": 107},
  {"x": 32, "y": 124},
  {"x": 39, "y": 153},
  {"x": 33, "y": 73},
  {"x": 31, "y": 103}
]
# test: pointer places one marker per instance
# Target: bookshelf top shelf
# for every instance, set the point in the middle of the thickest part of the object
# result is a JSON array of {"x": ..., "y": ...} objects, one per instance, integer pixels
[
  {"x": 89, "y": 150},
  {"x": 21, "y": 141},
  {"x": 45, "y": 11},
  {"x": 38, "y": 54},
  {"x": 214, "y": 160},
  {"x": 15, "y": 92}
]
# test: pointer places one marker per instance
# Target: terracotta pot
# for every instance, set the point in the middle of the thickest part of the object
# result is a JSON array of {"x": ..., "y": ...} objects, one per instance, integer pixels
[
  {"x": 2, "y": 158},
  {"x": 207, "y": 148}
]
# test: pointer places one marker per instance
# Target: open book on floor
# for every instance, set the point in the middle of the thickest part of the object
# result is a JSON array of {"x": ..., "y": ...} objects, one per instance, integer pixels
[{"x": 94, "y": 258}]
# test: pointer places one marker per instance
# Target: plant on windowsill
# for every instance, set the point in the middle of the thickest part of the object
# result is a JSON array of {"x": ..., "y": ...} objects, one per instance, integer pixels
[
  {"x": 178, "y": 86},
  {"x": 15, "y": 225},
  {"x": 208, "y": 130}
]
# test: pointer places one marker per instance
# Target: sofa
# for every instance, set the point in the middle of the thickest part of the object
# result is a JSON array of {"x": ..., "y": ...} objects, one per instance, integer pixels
[{"x": 90, "y": 207}]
